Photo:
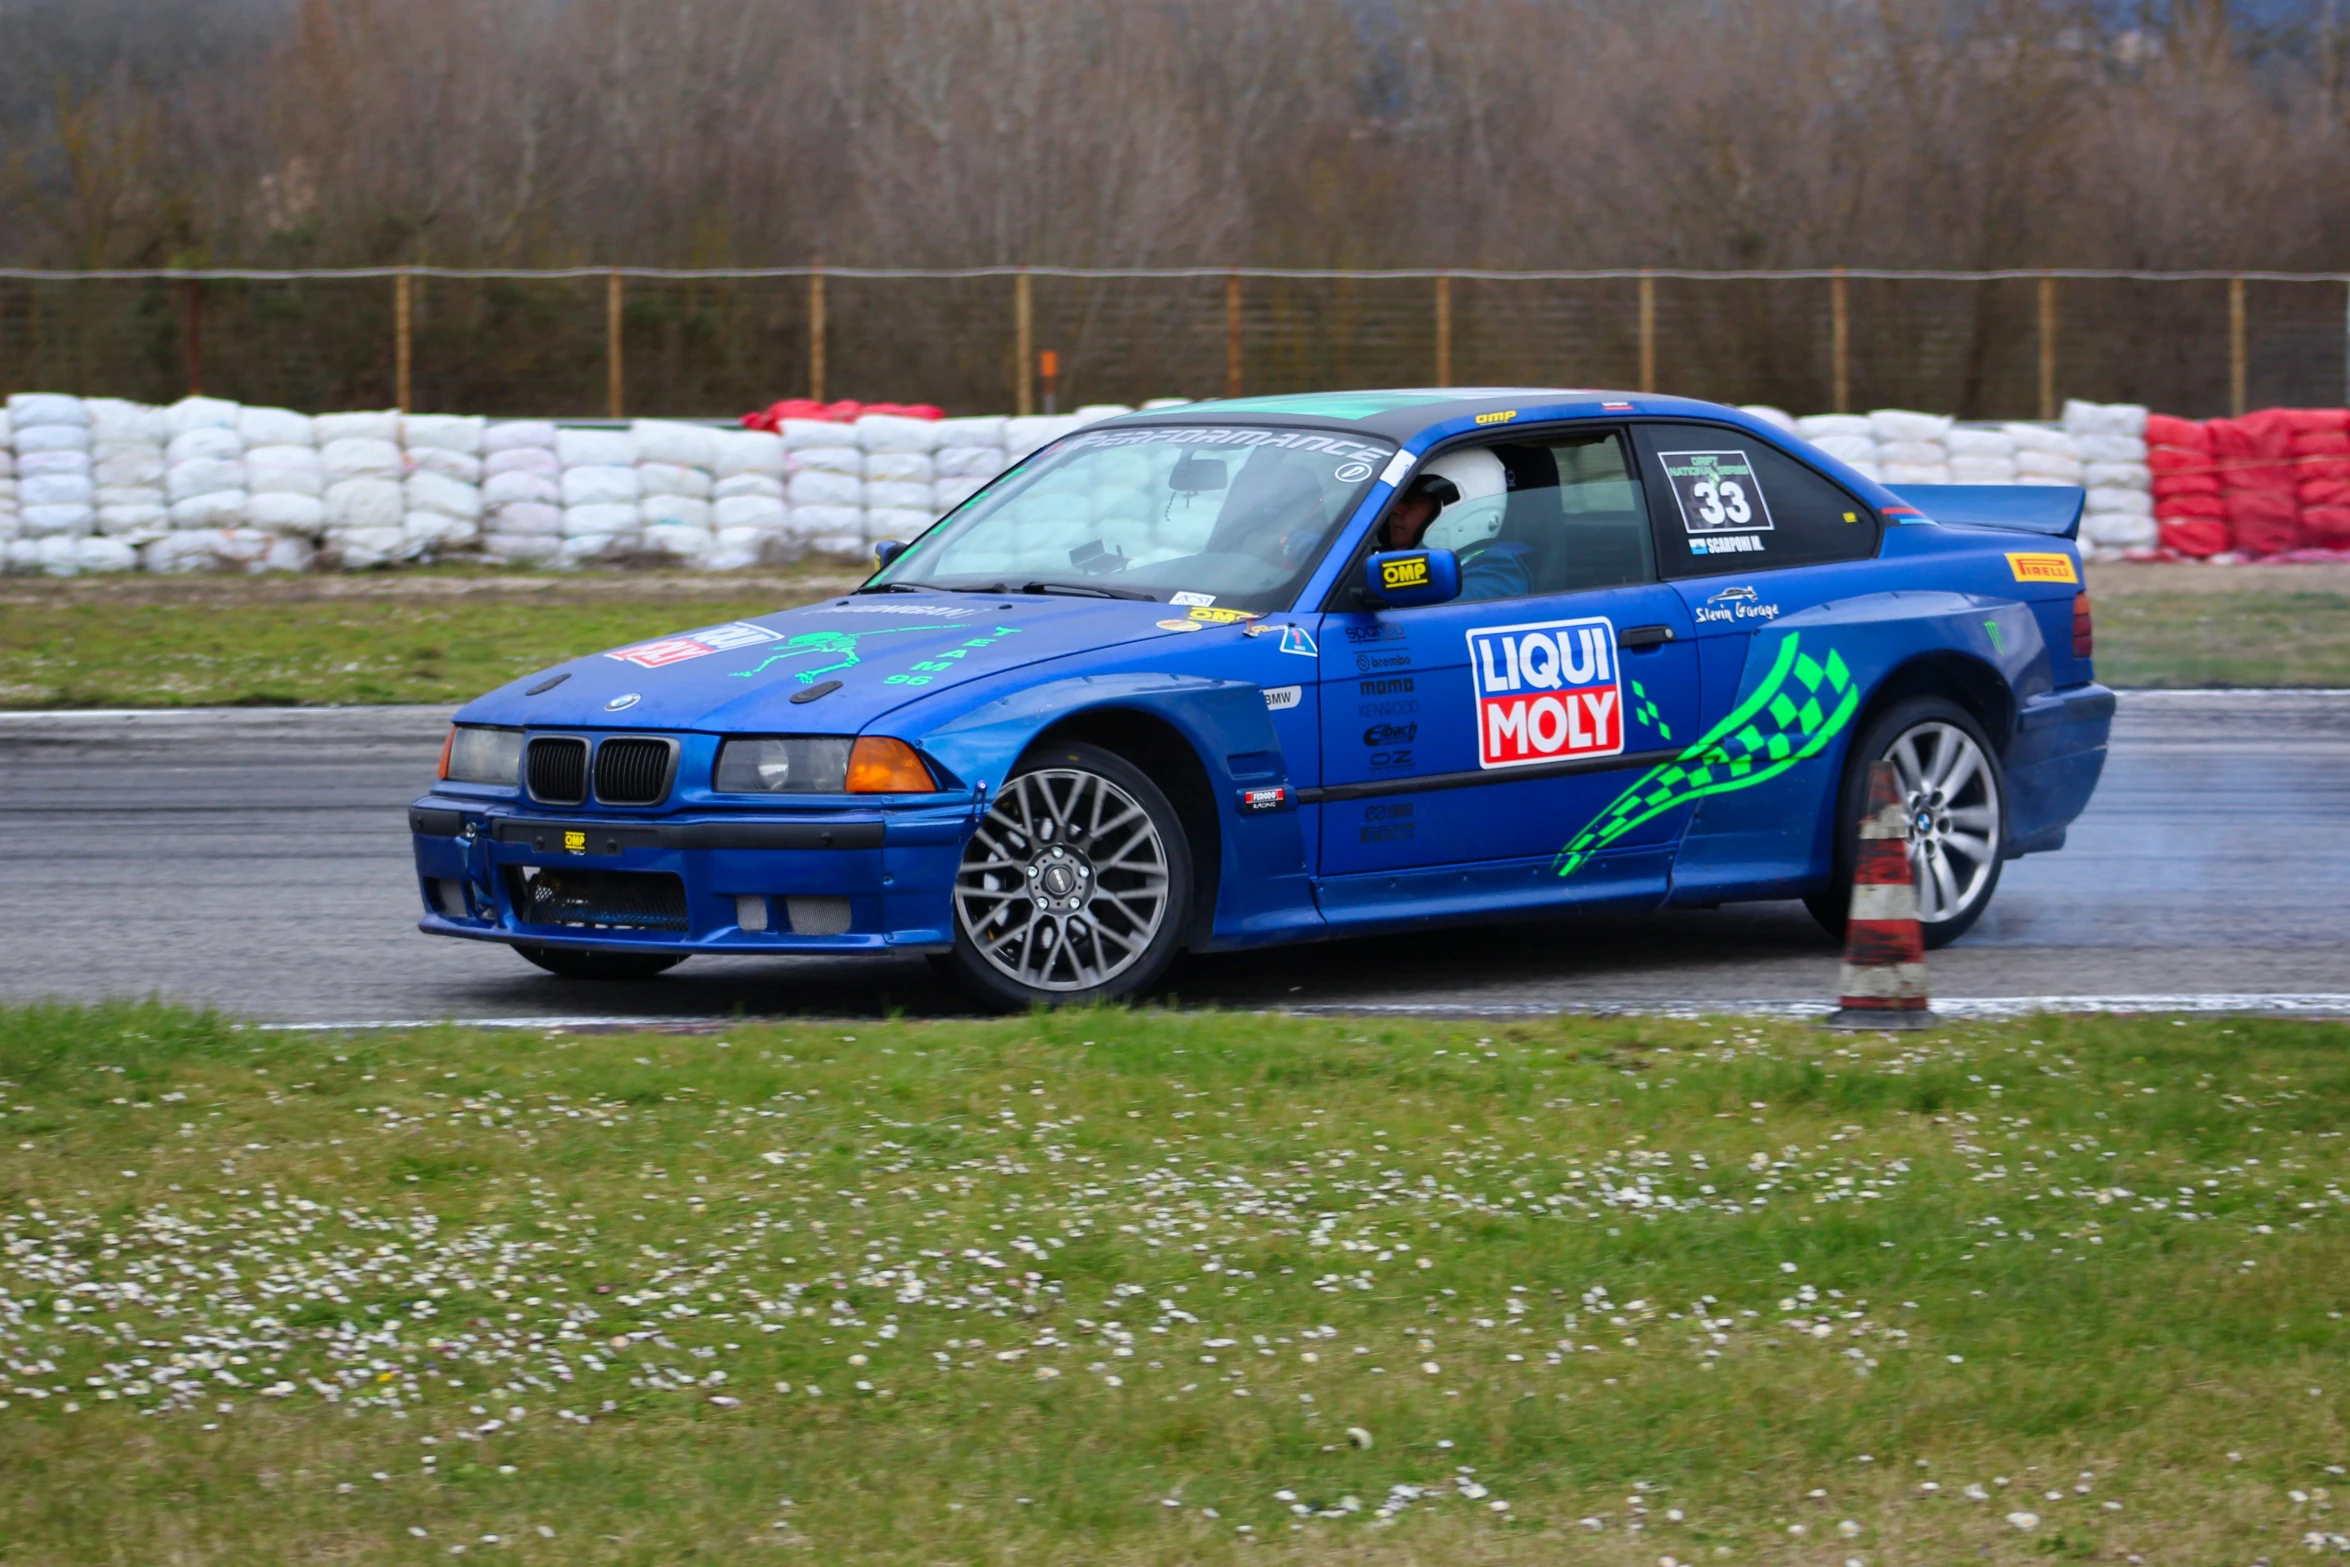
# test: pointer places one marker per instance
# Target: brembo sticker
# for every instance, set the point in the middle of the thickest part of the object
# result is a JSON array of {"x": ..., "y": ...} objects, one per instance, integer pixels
[{"x": 1546, "y": 692}]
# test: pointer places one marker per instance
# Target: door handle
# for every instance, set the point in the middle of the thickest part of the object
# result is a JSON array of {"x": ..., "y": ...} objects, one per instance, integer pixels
[{"x": 1644, "y": 636}]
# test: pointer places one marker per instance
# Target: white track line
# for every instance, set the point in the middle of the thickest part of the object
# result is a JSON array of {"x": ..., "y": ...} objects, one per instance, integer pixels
[{"x": 1973, "y": 1008}]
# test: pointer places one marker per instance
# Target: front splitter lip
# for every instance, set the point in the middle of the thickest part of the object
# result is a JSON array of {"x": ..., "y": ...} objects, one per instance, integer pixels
[{"x": 730, "y": 942}]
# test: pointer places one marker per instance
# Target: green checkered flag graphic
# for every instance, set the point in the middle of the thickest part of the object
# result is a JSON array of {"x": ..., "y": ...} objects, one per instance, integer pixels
[
  {"x": 1645, "y": 710},
  {"x": 1800, "y": 706}
]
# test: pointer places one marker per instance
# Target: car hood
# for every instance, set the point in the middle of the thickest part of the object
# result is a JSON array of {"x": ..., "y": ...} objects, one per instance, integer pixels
[{"x": 849, "y": 660}]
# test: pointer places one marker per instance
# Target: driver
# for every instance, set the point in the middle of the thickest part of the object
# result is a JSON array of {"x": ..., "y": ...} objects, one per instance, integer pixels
[{"x": 1457, "y": 503}]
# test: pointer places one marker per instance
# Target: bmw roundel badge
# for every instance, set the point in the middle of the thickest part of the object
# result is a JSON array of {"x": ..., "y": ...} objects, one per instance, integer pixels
[{"x": 621, "y": 704}]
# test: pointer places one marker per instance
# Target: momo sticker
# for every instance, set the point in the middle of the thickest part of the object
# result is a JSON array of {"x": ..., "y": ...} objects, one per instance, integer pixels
[
  {"x": 1717, "y": 492},
  {"x": 1546, "y": 692},
  {"x": 695, "y": 644},
  {"x": 2050, "y": 567}
]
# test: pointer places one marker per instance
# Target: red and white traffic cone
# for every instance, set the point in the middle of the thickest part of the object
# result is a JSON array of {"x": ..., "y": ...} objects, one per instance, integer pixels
[{"x": 1884, "y": 950}]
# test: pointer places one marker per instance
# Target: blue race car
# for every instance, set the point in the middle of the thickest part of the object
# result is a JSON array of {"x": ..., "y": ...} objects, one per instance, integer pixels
[{"x": 1284, "y": 668}]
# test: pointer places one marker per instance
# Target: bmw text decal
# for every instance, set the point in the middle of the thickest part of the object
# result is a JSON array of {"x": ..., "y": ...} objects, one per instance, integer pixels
[{"x": 1546, "y": 692}]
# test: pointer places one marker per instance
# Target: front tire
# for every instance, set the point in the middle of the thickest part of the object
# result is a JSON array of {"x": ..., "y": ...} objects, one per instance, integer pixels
[
  {"x": 1076, "y": 886},
  {"x": 1950, "y": 779},
  {"x": 582, "y": 963}
]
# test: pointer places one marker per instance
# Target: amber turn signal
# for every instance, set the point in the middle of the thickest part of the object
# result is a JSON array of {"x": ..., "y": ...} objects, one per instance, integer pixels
[
  {"x": 445, "y": 745},
  {"x": 2084, "y": 629},
  {"x": 879, "y": 765}
]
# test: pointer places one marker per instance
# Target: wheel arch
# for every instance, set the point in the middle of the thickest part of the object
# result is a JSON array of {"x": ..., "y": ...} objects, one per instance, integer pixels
[
  {"x": 1163, "y": 751},
  {"x": 1959, "y": 677}
]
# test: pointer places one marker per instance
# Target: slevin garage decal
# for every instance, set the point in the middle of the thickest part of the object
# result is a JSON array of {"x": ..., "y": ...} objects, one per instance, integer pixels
[{"x": 1801, "y": 704}]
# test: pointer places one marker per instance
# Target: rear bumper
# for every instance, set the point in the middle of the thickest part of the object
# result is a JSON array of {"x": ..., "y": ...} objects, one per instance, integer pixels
[
  {"x": 2054, "y": 763},
  {"x": 712, "y": 880}
]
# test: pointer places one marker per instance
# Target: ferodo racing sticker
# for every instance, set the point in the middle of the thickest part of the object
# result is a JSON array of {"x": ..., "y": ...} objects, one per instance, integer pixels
[{"x": 1547, "y": 692}]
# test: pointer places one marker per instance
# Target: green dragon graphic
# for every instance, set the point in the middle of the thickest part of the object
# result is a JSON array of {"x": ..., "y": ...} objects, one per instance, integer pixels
[
  {"x": 1801, "y": 704},
  {"x": 841, "y": 642}
]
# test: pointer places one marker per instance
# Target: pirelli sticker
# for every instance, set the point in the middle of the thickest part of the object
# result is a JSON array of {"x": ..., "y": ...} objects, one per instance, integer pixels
[
  {"x": 1409, "y": 571},
  {"x": 2048, "y": 567}
]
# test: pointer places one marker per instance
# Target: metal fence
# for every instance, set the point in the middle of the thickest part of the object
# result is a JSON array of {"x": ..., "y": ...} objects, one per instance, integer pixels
[{"x": 617, "y": 341}]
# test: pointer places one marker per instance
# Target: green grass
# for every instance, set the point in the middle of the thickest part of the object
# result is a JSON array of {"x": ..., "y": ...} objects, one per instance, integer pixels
[
  {"x": 430, "y": 637},
  {"x": 2153, "y": 638},
  {"x": 276, "y": 1297},
  {"x": 448, "y": 634}
]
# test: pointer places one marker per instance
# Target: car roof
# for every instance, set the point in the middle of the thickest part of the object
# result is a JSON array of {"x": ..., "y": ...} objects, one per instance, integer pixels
[{"x": 1404, "y": 414}]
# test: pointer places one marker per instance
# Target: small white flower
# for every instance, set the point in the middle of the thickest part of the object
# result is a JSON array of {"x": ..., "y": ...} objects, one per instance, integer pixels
[
  {"x": 2025, "y": 1521},
  {"x": 1430, "y": 1367},
  {"x": 1848, "y": 1529},
  {"x": 1358, "y": 1436}
]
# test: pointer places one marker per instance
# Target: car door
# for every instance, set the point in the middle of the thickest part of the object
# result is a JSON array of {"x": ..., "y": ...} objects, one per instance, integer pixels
[
  {"x": 1749, "y": 534},
  {"x": 1465, "y": 745}
]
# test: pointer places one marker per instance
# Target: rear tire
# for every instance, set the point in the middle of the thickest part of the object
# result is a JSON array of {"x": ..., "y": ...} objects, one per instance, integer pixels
[
  {"x": 586, "y": 963},
  {"x": 1076, "y": 886},
  {"x": 1956, "y": 792}
]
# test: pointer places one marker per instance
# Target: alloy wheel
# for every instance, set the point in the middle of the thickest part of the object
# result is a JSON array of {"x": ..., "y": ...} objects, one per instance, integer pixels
[
  {"x": 1066, "y": 882},
  {"x": 1952, "y": 796}
]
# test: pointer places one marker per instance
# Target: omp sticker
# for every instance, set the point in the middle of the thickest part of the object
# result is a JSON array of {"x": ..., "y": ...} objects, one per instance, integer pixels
[
  {"x": 576, "y": 842},
  {"x": 1409, "y": 571},
  {"x": 1716, "y": 491},
  {"x": 1220, "y": 617},
  {"x": 1503, "y": 417},
  {"x": 1180, "y": 625},
  {"x": 1201, "y": 600},
  {"x": 2050, "y": 567},
  {"x": 695, "y": 644},
  {"x": 1278, "y": 698},
  {"x": 1546, "y": 692}
]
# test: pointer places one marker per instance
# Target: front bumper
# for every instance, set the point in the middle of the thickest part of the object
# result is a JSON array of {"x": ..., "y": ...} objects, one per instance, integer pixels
[{"x": 704, "y": 878}]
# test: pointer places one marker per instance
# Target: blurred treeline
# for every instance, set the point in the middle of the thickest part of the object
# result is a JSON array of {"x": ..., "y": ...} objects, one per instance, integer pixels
[{"x": 1956, "y": 134}]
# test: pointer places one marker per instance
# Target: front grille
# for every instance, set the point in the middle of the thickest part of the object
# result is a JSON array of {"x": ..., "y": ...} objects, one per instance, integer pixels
[
  {"x": 632, "y": 772},
  {"x": 611, "y": 900},
  {"x": 556, "y": 769}
]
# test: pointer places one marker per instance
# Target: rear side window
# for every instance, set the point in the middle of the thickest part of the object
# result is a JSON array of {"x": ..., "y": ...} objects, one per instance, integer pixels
[{"x": 1724, "y": 501}]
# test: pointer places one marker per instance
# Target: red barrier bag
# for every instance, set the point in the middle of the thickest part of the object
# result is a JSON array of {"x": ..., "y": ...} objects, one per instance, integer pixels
[
  {"x": 2186, "y": 434},
  {"x": 2327, "y": 527},
  {"x": 2197, "y": 537},
  {"x": 2203, "y": 482},
  {"x": 2322, "y": 492},
  {"x": 2264, "y": 522},
  {"x": 2214, "y": 506}
]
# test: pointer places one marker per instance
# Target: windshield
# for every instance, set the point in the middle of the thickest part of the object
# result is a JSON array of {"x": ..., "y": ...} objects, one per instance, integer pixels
[{"x": 1232, "y": 515}]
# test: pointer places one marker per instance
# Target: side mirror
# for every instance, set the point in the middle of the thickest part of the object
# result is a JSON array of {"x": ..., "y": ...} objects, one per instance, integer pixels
[
  {"x": 888, "y": 550},
  {"x": 1402, "y": 579}
]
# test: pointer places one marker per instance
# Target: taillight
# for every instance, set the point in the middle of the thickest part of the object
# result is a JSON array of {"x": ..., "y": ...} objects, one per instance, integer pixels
[
  {"x": 2084, "y": 633},
  {"x": 445, "y": 745},
  {"x": 880, "y": 765}
]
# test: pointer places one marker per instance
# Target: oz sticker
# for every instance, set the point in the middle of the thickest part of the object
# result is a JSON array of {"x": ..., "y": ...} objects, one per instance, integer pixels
[
  {"x": 1718, "y": 492},
  {"x": 1546, "y": 692}
]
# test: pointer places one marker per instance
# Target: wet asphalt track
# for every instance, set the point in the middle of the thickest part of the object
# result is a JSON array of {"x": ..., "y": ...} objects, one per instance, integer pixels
[{"x": 258, "y": 859}]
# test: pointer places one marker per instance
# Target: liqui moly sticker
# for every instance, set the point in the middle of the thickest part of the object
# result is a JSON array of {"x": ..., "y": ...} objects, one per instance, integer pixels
[{"x": 1546, "y": 693}]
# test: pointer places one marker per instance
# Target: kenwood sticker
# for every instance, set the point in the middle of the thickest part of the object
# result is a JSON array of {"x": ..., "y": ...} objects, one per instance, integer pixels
[
  {"x": 1718, "y": 492},
  {"x": 1546, "y": 693}
]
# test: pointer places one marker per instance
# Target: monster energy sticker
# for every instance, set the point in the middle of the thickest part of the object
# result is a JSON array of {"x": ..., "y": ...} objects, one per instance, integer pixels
[
  {"x": 1801, "y": 704},
  {"x": 1718, "y": 492}
]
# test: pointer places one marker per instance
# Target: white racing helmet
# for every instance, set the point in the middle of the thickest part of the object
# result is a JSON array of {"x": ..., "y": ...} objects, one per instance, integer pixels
[{"x": 1472, "y": 513}]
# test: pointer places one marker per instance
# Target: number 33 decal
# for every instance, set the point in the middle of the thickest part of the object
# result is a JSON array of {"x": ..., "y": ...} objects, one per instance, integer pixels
[{"x": 1722, "y": 501}]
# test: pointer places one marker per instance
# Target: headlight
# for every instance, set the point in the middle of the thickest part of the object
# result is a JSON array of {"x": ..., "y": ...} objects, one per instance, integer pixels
[
  {"x": 784, "y": 764},
  {"x": 481, "y": 755}
]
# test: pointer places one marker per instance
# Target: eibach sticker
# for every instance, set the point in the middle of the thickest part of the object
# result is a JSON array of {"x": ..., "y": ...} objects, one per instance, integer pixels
[
  {"x": 694, "y": 644},
  {"x": 1718, "y": 492},
  {"x": 1548, "y": 692}
]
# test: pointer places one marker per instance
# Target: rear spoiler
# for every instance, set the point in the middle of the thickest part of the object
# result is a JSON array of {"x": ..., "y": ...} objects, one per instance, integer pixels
[{"x": 2051, "y": 509}]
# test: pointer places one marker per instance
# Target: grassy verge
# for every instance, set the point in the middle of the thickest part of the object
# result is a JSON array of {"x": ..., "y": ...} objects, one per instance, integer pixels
[
  {"x": 1111, "y": 1287},
  {"x": 431, "y": 636},
  {"x": 447, "y": 634}
]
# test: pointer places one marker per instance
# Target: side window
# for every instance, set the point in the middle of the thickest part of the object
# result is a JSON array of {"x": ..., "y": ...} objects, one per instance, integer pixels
[
  {"x": 1725, "y": 501},
  {"x": 1537, "y": 516}
]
